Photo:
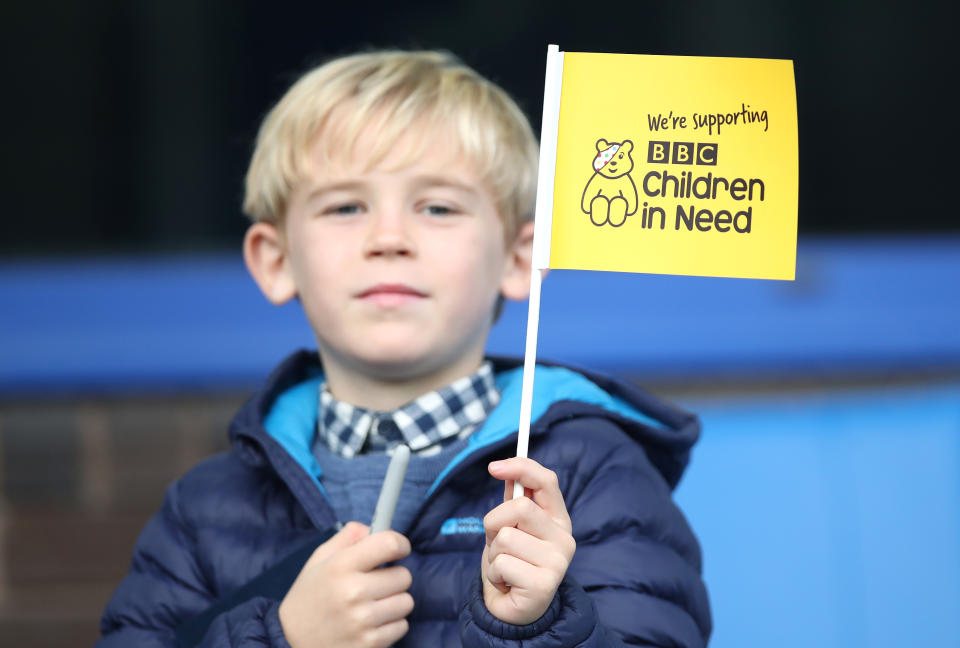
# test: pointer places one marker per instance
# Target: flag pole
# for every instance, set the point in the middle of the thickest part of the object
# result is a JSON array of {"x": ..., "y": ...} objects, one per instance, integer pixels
[
  {"x": 543, "y": 222},
  {"x": 529, "y": 362}
]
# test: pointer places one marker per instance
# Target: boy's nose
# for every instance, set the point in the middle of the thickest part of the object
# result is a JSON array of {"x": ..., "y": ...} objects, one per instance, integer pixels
[{"x": 388, "y": 236}]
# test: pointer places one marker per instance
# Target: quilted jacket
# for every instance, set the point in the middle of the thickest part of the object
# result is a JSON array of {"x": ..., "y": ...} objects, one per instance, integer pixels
[{"x": 618, "y": 453}]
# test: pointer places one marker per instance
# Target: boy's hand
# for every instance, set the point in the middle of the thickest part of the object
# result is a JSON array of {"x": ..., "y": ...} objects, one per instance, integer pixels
[
  {"x": 529, "y": 543},
  {"x": 343, "y": 598}
]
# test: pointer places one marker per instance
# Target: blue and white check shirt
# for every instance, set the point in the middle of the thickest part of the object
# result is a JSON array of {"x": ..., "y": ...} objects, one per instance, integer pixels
[{"x": 426, "y": 424}]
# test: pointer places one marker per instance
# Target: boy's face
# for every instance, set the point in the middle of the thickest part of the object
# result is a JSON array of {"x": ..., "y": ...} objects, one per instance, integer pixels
[{"x": 398, "y": 267}]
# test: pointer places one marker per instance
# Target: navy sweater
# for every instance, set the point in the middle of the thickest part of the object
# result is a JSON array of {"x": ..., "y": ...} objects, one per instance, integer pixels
[{"x": 617, "y": 451}]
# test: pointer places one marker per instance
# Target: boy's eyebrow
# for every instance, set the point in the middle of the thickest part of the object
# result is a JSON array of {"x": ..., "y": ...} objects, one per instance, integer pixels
[
  {"x": 445, "y": 181},
  {"x": 346, "y": 185},
  {"x": 419, "y": 181}
]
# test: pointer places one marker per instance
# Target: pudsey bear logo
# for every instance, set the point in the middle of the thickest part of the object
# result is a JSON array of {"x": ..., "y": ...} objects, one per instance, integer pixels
[{"x": 610, "y": 195}]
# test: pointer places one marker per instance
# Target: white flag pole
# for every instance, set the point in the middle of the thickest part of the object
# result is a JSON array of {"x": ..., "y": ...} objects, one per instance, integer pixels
[{"x": 543, "y": 222}]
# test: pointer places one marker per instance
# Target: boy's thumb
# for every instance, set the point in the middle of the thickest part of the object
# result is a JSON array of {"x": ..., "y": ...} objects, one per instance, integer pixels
[{"x": 351, "y": 533}]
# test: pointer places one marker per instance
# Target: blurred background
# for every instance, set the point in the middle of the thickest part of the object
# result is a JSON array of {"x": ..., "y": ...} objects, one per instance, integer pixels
[{"x": 826, "y": 487}]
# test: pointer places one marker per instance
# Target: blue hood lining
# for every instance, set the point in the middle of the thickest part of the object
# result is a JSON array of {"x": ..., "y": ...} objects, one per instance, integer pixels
[{"x": 293, "y": 415}]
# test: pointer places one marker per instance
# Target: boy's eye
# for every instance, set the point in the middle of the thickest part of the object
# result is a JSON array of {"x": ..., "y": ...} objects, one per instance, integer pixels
[
  {"x": 438, "y": 210},
  {"x": 343, "y": 210}
]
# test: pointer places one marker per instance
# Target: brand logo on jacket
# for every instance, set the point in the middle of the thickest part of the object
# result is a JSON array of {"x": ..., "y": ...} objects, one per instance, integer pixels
[{"x": 455, "y": 526}]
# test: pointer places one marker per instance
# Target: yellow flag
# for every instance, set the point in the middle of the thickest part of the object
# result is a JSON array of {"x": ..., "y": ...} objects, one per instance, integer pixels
[{"x": 671, "y": 165}]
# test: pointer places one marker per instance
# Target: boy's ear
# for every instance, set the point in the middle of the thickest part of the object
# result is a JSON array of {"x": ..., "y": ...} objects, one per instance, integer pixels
[
  {"x": 516, "y": 276},
  {"x": 265, "y": 255}
]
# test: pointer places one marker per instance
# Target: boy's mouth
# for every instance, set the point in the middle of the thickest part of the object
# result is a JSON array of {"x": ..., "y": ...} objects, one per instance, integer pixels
[{"x": 390, "y": 295}]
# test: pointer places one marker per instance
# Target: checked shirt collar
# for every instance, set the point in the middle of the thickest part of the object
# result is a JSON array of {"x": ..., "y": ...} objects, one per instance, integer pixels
[{"x": 426, "y": 424}]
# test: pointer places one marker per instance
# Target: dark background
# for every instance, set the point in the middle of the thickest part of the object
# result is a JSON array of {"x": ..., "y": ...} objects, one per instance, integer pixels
[{"x": 128, "y": 125}]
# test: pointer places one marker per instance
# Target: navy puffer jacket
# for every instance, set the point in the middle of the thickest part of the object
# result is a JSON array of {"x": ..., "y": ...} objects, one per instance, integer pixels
[{"x": 617, "y": 451}]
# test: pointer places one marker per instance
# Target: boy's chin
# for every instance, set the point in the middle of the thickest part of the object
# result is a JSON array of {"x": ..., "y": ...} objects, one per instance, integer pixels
[
  {"x": 399, "y": 364},
  {"x": 389, "y": 362},
  {"x": 406, "y": 363},
  {"x": 405, "y": 353}
]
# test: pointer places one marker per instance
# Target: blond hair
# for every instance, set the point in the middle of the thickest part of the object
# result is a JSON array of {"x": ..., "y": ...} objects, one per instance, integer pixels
[{"x": 392, "y": 92}]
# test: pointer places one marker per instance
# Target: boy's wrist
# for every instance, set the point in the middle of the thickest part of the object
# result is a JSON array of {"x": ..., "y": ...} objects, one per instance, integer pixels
[{"x": 476, "y": 612}]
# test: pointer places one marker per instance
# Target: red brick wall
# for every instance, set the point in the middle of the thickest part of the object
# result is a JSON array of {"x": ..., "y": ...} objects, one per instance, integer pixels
[{"x": 78, "y": 480}]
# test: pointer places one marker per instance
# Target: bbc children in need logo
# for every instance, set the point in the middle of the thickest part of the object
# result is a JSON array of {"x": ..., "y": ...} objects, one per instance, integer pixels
[
  {"x": 610, "y": 195},
  {"x": 676, "y": 172}
]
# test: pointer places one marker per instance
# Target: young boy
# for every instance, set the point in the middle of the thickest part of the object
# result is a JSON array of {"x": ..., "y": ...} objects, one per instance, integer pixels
[{"x": 392, "y": 193}]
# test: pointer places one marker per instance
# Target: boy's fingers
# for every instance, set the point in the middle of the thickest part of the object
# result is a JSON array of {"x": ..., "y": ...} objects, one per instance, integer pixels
[
  {"x": 391, "y": 608},
  {"x": 374, "y": 550},
  {"x": 508, "y": 491},
  {"x": 527, "y": 516},
  {"x": 526, "y": 547},
  {"x": 389, "y": 633},
  {"x": 541, "y": 481},
  {"x": 510, "y": 570},
  {"x": 349, "y": 535},
  {"x": 381, "y": 583}
]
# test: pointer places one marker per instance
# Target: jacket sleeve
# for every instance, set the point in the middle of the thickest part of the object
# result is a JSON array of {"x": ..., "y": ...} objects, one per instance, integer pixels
[
  {"x": 636, "y": 555},
  {"x": 635, "y": 577},
  {"x": 570, "y": 621},
  {"x": 166, "y": 586}
]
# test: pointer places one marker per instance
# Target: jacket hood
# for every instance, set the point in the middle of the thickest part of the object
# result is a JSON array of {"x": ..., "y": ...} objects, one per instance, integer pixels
[{"x": 285, "y": 410}]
